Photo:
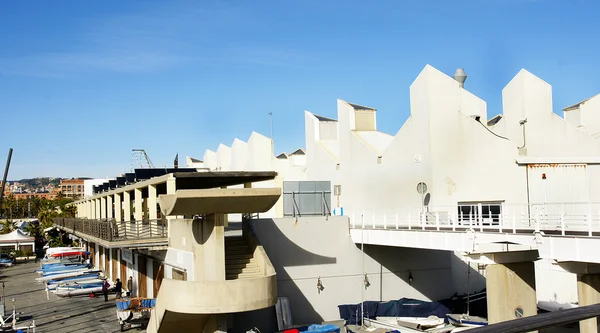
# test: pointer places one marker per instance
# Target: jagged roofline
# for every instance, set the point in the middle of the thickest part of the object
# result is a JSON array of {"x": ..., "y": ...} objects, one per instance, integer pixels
[
  {"x": 577, "y": 105},
  {"x": 324, "y": 119}
]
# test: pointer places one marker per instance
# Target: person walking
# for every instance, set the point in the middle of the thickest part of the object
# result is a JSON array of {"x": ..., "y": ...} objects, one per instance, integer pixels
[
  {"x": 118, "y": 289},
  {"x": 130, "y": 286},
  {"x": 105, "y": 286}
]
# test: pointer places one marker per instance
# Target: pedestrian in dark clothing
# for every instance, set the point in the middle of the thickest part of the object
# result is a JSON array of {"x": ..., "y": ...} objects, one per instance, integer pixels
[
  {"x": 118, "y": 288},
  {"x": 105, "y": 286},
  {"x": 130, "y": 286}
]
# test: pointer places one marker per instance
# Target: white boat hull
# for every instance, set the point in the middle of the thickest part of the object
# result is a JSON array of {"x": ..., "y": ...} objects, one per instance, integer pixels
[
  {"x": 462, "y": 320},
  {"x": 74, "y": 283},
  {"x": 555, "y": 306},
  {"x": 84, "y": 291},
  {"x": 64, "y": 275},
  {"x": 421, "y": 323}
]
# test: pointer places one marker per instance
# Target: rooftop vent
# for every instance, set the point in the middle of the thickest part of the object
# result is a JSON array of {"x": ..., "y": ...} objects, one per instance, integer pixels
[{"x": 460, "y": 76}]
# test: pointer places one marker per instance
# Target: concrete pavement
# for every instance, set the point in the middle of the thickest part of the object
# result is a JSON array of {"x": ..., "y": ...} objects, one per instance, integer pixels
[{"x": 80, "y": 314}]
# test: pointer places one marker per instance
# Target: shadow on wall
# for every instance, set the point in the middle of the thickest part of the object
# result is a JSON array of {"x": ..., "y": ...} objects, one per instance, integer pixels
[
  {"x": 282, "y": 253},
  {"x": 427, "y": 271},
  {"x": 407, "y": 265},
  {"x": 435, "y": 280}
]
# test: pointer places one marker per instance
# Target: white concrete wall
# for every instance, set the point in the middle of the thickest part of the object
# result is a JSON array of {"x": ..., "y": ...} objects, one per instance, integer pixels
[
  {"x": 257, "y": 155},
  {"x": 586, "y": 117},
  {"x": 88, "y": 186},
  {"x": 314, "y": 247},
  {"x": 178, "y": 258}
]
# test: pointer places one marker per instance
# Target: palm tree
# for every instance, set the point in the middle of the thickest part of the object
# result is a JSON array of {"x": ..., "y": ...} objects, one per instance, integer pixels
[
  {"x": 7, "y": 226},
  {"x": 36, "y": 205},
  {"x": 47, "y": 215},
  {"x": 9, "y": 206},
  {"x": 68, "y": 211}
]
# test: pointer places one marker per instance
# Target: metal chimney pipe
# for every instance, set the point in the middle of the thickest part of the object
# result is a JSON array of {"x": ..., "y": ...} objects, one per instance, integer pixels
[{"x": 460, "y": 76}]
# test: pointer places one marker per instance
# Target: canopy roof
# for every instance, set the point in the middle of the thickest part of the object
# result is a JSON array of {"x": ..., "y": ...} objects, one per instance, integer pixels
[{"x": 15, "y": 236}]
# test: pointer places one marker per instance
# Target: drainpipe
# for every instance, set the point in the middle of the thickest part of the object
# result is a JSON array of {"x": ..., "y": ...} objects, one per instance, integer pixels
[
  {"x": 522, "y": 123},
  {"x": 528, "y": 204}
]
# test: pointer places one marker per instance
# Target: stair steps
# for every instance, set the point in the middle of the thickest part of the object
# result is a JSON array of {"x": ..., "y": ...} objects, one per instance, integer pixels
[{"x": 239, "y": 260}]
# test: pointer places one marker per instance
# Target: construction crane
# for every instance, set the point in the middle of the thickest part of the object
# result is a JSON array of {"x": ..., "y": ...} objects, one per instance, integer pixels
[{"x": 140, "y": 156}]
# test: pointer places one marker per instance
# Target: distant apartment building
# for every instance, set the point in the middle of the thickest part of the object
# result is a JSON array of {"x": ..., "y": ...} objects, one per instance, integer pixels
[
  {"x": 72, "y": 188},
  {"x": 6, "y": 189},
  {"x": 28, "y": 195}
]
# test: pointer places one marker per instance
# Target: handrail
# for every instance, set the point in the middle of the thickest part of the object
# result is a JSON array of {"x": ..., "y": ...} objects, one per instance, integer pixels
[
  {"x": 575, "y": 217},
  {"x": 540, "y": 321},
  {"x": 111, "y": 230}
]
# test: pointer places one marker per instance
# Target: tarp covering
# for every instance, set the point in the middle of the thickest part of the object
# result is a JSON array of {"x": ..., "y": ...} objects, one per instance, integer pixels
[
  {"x": 404, "y": 307},
  {"x": 15, "y": 236},
  {"x": 323, "y": 329}
]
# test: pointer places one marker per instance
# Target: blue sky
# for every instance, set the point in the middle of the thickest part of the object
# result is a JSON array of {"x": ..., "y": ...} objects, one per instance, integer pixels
[{"x": 84, "y": 82}]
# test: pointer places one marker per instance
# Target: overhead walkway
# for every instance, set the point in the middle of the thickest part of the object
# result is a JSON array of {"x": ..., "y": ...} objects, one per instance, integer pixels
[
  {"x": 507, "y": 238},
  {"x": 559, "y": 231}
]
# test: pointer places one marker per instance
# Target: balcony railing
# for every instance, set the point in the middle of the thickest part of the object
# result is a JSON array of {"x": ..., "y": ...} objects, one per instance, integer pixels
[
  {"x": 111, "y": 230},
  {"x": 563, "y": 218}
]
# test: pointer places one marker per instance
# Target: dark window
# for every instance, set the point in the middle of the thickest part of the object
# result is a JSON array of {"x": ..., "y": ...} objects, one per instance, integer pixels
[{"x": 468, "y": 212}]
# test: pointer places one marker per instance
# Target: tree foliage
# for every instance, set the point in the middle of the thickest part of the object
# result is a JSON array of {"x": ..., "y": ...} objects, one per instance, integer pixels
[{"x": 45, "y": 210}]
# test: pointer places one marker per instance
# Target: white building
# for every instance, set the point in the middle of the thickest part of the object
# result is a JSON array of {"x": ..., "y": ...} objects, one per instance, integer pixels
[
  {"x": 447, "y": 144},
  {"x": 256, "y": 155},
  {"x": 528, "y": 158},
  {"x": 88, "y": 186}
]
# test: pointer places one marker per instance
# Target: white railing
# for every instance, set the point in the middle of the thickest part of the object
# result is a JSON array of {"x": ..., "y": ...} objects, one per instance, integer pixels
[{"x": 560, "y": 217}]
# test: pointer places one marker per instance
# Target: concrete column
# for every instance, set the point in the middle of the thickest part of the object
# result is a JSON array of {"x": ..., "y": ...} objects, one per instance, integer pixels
[
  {"x": 152, "y": 206},
  {"x": 109, "y": 207},
  {"x": 126, "y": 206},
  {"x": 171, "y": 189},
  {"x": 103, "y": 208},
  {"x": 97, "y": 204},
  {"x": 152, "y": 202},
  {"x": 209, "y": 252},
  {"x": 127, "y": 210},
  {"x": 588, "y": 292},
  {"x": 118, "y": 207},
  {"x": 138, "y": 211},
  {"x": 510, "y": 291},
  {"x": 88, "y": 209}
]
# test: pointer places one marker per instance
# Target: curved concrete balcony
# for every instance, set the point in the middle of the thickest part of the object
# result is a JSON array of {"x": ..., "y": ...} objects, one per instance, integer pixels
[
  {"x": 184, "y": 304},
  {"x": 251, "y": 285}
]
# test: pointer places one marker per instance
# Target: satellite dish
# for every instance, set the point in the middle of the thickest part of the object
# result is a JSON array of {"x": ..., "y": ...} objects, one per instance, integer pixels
[
  {"x": 422, "y": 188},
  {"x": 427, "y": 199}
]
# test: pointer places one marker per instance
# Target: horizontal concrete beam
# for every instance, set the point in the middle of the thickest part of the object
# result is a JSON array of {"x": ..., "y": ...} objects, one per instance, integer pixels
[
  {"x": 569, "y": 248},
  {"x": 471, "y": 242},
  {"x": 505, "y": 257},
  {"x": 224, "y": 201},
  {"x": 579, "y": 267}
]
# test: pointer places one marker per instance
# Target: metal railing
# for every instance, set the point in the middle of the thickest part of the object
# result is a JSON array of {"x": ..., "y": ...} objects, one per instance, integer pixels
[
  {"x": 297, "y": 210},
  {"x": 111, "y": 230},
  {"x": 563, "y": 218}
]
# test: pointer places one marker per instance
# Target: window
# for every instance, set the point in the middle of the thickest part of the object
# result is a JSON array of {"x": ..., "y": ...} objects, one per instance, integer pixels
[
  {"x": 179, "y": 275},
  {"x": 468, "y": 212}
]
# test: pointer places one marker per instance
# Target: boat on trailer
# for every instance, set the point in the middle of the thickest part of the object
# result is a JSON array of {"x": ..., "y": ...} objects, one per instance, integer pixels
[
  {"x": 67, "y": 274},
  {"x": 81, "y": 291}
]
